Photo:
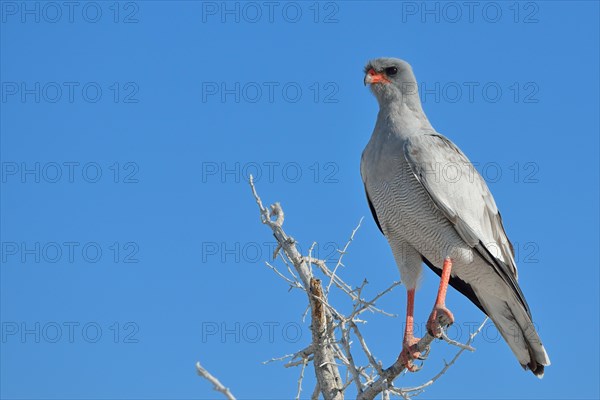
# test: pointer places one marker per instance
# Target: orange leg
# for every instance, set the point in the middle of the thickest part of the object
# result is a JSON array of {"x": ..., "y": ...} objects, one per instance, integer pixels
[
  {"x": 410, "y": 310},
  {"x": 441, "y": 316},
  {"x": 409, "y": 352}
]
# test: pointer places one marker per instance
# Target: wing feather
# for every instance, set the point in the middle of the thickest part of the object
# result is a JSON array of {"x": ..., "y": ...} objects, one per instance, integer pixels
[{"x": 459, "y": 191}]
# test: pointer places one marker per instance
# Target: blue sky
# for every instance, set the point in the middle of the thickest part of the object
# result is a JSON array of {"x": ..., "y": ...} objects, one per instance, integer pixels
[{"x": 131, "y": 245}]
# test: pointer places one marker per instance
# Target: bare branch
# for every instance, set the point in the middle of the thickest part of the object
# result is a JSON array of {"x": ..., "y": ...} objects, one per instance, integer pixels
[
  {"x": 365, "y": 348},
  {"x": 393, "y": 371},
  {"x": 350, "y": 360},
  {"x": 293, "y": 283},
  {"x": 399, "y": 392},
  {"x": 316, "y": 392},
  {"x": 278, "y": 358},
  {"x": 455, "y": 343},
  {"x": 287, "y": 243},
  {"x": 298, "y": 362},
  {"x": 304, "y": 353},
  {"x": 369, "y": 305},
  {"x": 385, "y": 395},
  {"x": 343, "y": 286},
  {"x": 342, "y": 253},
  {"x": 448, "y": 365},
  {"x": 326, "y": 369},
  {"x": 217, "y": 385},
  {"x": 304, "y": 362}
]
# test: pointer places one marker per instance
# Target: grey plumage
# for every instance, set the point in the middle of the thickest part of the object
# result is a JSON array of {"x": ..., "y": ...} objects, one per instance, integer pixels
[{"x": 431, "y": 203}]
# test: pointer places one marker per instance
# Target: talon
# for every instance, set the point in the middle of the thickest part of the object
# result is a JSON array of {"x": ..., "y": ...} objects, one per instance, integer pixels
[
  {"x": 439, "y": 318},
  {"x": 422, "y": 357},
  {"x": 409, "y": 354},
  {"x": 426, "y": 353},
  {"x": 414, "y": 368}
]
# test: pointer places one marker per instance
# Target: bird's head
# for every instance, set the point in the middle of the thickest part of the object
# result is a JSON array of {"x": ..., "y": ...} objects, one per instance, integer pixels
[{"x": 390, "y": 79}]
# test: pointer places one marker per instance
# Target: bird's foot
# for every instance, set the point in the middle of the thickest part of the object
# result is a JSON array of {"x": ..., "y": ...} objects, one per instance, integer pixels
[
  {"x": 410, "y": 353},
  {"x": 439, "y": 318}
]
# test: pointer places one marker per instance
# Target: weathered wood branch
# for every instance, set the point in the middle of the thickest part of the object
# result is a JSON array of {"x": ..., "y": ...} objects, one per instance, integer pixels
[
  {"x": 389, "y": 374},
  {"x": 326, "y": 369},
  {"x": 217, "y": 385}
]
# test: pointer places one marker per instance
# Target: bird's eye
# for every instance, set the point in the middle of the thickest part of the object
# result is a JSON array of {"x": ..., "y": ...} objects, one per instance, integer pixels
[{"x": 391, "y": 71}]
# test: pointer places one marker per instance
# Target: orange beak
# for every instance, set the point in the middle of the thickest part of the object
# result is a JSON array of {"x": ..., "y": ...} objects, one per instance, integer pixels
[{"x": 373, "y": 77}]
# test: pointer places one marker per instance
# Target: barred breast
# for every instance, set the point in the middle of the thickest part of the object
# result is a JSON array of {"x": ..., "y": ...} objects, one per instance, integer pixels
[{"x": 408, "y": 216}]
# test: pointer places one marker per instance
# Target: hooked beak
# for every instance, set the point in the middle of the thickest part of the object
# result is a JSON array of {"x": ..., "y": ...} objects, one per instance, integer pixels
[{"x": 374, "y": 77}]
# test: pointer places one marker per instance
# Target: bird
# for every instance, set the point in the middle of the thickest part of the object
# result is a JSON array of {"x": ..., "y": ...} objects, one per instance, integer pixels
[{"x": 434, "y": 208}]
